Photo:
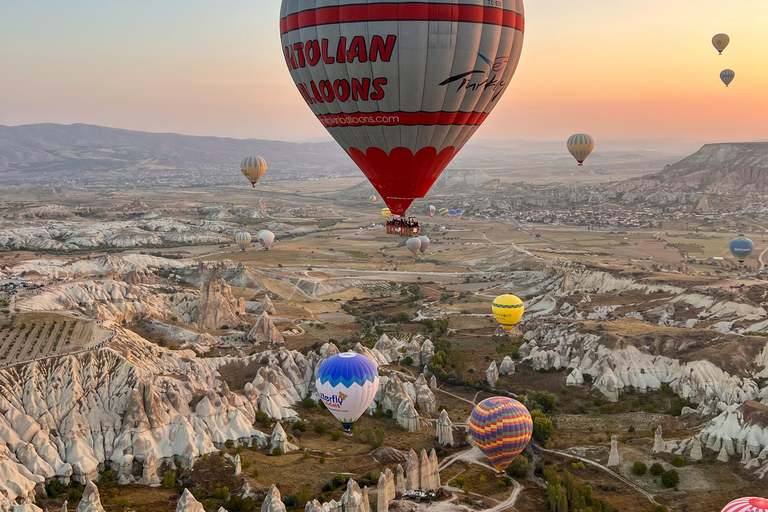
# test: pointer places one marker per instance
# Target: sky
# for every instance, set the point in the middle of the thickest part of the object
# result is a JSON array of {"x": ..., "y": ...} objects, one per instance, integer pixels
[{"x": 617, "y": 69}]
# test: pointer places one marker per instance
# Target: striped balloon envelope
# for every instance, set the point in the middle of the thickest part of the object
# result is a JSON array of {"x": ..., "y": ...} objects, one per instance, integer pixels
[
  {"x": 580, "y": 146},
  {"x": 431, "y": 210},
  {"x": 501, "y": 427},
  {"x": 253, "y": 168},
  {"x": 243, "y": 239},
  {"x": 444, "y": 212},
  {"x": 727, "y": 76},
  {"x": 347, "y": 384},
  {"x": 402, "y": 85},
  {"x": 747, "y": 505}
]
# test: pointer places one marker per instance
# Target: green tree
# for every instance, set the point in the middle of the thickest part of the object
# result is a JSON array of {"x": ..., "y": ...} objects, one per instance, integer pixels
[
  {"x": 303, "y": 496},
  {"x": 542, "y": 400},
  {"x": 569, "y": 485},
  {"x": 657, "y": 469},
  {"x": 520, "y": 467},
  {"x": 670, "y": 479},
  {"x": 678, "y": 461},
  {"x": 542, "y": 427},
  {"x": 169, "y": 480},
  {"x": 276, "y": 451},
  {"x": 550, "y": 475},
  {"x": 639, "y": 468},
  {"x": 321, "y": 428}
]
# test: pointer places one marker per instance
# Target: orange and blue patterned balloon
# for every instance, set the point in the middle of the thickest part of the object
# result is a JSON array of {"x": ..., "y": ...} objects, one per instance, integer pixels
[{"x": 501, "y": 427}]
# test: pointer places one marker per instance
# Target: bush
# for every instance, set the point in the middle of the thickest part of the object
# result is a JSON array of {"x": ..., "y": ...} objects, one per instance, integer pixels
[
  {"x": 460, "y": 480},
  {"x": 657, "y": 469},
  {"x": 639, "y": 468},
  {"x": 276, "y": 451},
  {"x": 124, "y": 503},
  {"x": 321, "y": 428},
  {"x": 255, "y": 473},
  {"x": 229, "y": 443},
  {"x": 408, "y": 361},
  {"x": 670, "y": 479},
  {"x": 238, "y": 504},
  {"x": 660, "y": 508},
  {"x": 108, "y": 477},
  {"x": 321, "y": 460},
  {"x": 220, "y": 493},
  {"x": 678, "y": 461},
  {"x": 541, "y": 400},
  {"x": 376, "y": 437},
  {"x": 309, "y": 403},
  {"x": 542, "y": 427},
  {"x": 263, "y": 419},
  {"x": 302, "y": 497},
  {"x": 75, "y": 495},
  {"x": 300, "y": 425},
  {"x": 54, "y": 488},
  {"x": 520, "y": 467},
  {"x": 335, "y": 435},
  {"x": 290, "y": 501},
  {"x": 338, "y": 480},
  {"x": 169, "y": 480},
  {"x": 505, "y": 482}
]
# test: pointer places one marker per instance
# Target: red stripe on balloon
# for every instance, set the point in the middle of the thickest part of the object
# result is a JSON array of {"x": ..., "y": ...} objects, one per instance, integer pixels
[
  {"x": 402, "y": 12},
  {"x": 402, "y": 119}
]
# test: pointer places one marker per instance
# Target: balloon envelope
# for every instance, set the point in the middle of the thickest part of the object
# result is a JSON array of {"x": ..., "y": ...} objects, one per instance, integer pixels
[
  {"x": 402, "y": 85},
  {"x": 580, "y": 146},
  {"x": 747, "y": 505},
  {"x": 385, "y": 212},
  {"x": 431, "y": 210},
  {"x": 347, "y": 383},
  {"x": 413, "y": 245},
  {"x": 243, "y": 239},
  {"x": 727, "y": 76},
  {"x": 508, "y": 310},
  {"x": 266, "y": 238},
  {"x": 720, "y": 42},
  {"x": 459, "y": 213},
  {"x": 501, "y": 427},
  {"x": 372, "y": 199},
  {"x": 444, "y": 212},
  {"x": 741, "y": 248},
  {"x": 253, "y": 168},
  {"x": 424, "y": 244}
]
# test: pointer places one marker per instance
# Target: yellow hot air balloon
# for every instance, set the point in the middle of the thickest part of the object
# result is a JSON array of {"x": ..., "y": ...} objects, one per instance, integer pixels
[
  {"x": 373, "y": 199},
  {"x": 720, "y": 42},
  {"x": 253, "y": 168},
  {"x": 580, "y": 146},
  {"x": 385, "y": 212},
  {"x": 508, "y": 310}
]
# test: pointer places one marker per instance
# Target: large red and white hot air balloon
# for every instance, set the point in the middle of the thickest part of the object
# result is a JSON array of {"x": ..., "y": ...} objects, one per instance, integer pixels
[{"x": 402, "y": 85}]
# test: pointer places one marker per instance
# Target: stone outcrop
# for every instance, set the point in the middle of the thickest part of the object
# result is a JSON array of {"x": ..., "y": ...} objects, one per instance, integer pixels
[
  {"x": 265, "y": 332},
  {"x": 658, "y": 442},
  {"x": 217, "y": 307},
  {"x": 273, "y": 502},
  {"x": 444, "y": 429},
  {"x": 91, "y": 501},
  {"x": 188, "y": 503},
  {"x": 408, "y": 417},
  {"x": 412, "y": 471},
  {"x": 427, "y": 351},
  {"x": 492, "y": 374},
  {"x": 433, "y": 383},
  {"x": 696, "y": 449},
  {"x": 507, "y": 366},
  {"x": 238, "y": 465},
  {"x": 279, "y": 439},
  {"x": 401, "y": 483},
  {"x": 385, "y": 490},
  {"x": 267, "y": 306},
  {"x": 354, "y": 499},
  {"x": 424, "y": 396},
  {"x": 614, "y": 459},
  {"x": 413, "y": 350},
  {"x": 387, "y": 349},
  {"x": 149, "y": 474}
]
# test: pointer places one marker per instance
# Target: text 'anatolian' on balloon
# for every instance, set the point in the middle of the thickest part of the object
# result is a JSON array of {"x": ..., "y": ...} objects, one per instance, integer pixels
[{"x": 300, "y": 55}]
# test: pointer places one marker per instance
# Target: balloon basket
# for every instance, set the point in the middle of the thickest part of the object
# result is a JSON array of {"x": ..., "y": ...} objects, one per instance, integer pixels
[
  {"x": 347, "y": 433},
  {"x": 501, "y": 474}
]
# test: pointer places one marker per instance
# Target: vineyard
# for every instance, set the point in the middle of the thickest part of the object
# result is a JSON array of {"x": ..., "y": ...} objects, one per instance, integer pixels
[{"x": 43, "y": 337}]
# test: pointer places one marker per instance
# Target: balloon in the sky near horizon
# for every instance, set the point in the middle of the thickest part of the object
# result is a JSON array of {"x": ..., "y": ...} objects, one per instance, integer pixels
[
  {"x": 347, "y": 384},
  {"x": 385, "y": 212},
  {"x": 747, "y": 505},
  {"x": 452, "y": 214},
  {"x": 413, "y": 245},
  {"x": 402, "y": 85},
  {"x": 424, "y": 244},
  {"x": 373, "y": 199},
  {"x": 501, "y": 427},
  {"x": 508, "y": 310},
  {"x": 243, "y": 239},
  {"x": 727, "y": 76},
  {"x": 580, "y": 146},
  {"x": 266, "y": 238},
  {"x": 741, "y": 247},
  {"x": 431, "y": 210},
  {"x": 253, "y": 168},
  {"x": 444, "y": 212},
  {"x": 459, "y": 213},
  {"x": 720, "y": 42}
]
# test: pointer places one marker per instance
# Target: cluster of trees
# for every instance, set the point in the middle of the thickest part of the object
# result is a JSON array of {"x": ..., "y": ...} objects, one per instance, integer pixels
[
  {"x": 563, "y": 495},
  {"x": 441, "y": 358},
  {"x": 669, "y": 479}
]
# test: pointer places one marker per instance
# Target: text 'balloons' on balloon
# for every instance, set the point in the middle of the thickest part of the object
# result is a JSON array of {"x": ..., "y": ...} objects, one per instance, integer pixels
[
  {"x": 431, "y": 210},
  {"x": 501, "y": 428},
  {"x": 243, "y": 239},
  {"x": 266, "y": 239},
  {"x": 402, "y": 85},
  {"x": 508, "y": 310},
  {"x": 386, "y": 213},
  {"x": 413, "y": 245},
  {"x": 727, "y": 76},
  {"x": 581, "y": 146},
  {"x": 425, "y": 241},
  {"x": 720, "y": 42},
  {"x": 749, "y": 504},
  {"x": 741, "y": 247},
  {"x": 253, "y": 168},
  {"x": 347, "y": 384}
]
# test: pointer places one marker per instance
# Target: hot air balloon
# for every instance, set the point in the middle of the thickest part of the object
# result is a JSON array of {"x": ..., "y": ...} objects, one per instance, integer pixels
[
  {"x": 741, "y": 247},
  {"x": 424, "y": 244},
  {"x": 508, "y": 310},
  {"x": 727, "y": 76},
  {"x": 413, "y": 245},
  {"x": 501, "y": 427},
  {"x": 243, "y": 239},
  {"x": 459, "y": 213},
  {"x": 385, "y": 212},
  {"x": 452, "y": 214},
  {"x": 720, "y": 42},
  {"x": 401, "y": 85},
  {"x": 580, "y": 146},
  {"x": 444, "y": 212},
  {"x": 747, "y": 505},
  {"x": 266, "y": 239},
  {"x": 347, "y": 383},
  {"x": 431, "y": 210},
  {"x": 373, "y": 199},
  {"x": 253, "y": 168}
]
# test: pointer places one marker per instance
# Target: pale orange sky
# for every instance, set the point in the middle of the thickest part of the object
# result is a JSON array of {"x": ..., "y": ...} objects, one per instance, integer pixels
[{"x": 612, "y": 68}]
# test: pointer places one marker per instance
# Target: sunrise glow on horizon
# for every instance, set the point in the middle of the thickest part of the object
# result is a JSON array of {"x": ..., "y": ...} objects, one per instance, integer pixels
[{"x": 617, "y": 70}]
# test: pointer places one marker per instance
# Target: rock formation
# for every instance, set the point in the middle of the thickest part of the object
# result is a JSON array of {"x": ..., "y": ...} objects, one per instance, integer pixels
[
  {"x": 434, "y": 471},
  {"x": 387, "y": 348},
  {"x": 424, "y": 396},
  {"x": 407, "y": 416},
  {"x": 401, "y": 484},
  {"x": 385, "y": 490},
  {"x": 273, "y": 502},
  {"x": 413, "y": 350},
  {"x": 354, "y": 499},
  {"x": 424, "y": 471},
  {"x": 279, "y": 439},
  {"x": 412, "y": 471},
  {"x": 492, "y": 374},
  {"x": 427, "y": 351},
  {"x": 696, "y": 449},
  {"x": 238, "y": 465},
  {"x": 444, "y": 429},
  {"x": 264, "y": 331},
  {"x": 217, "y": 307},
  {"x": 614, "y": 459},
  {"x": 433, "y": 383},
  {"x": 188, "y": 503},
  {"x": 267, "y": 306},
  {"x": 658, "y": 441},
  {"x": 149, "y": 474},
  {"x": 91, "y": 501},
  {"x": 507, "y": 366}
]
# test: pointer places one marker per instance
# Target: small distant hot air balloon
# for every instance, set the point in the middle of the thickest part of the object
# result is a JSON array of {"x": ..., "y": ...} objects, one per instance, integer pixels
[
  {"x": 459, "y": 213},
  {"x": 243, "y": 239},
  {"x": 741, "y": 247},
  {"x": 266, "y": 239},
  {"x": 452, "y": 214},
  {"x": 347, "y": 384},
  {"x": 508, "y": 311},
  {"x": 424, "y": 244},
  {"x": 501, "y": 427},
  {"x": 413, "y": 245},
  {"x": 385, "y": 212},
  {"x": 373, "y": 199},
  {"x": 580, "y": 146},
  {"x": 444, "y": 212},
  {"x": 431, "y": 210},
  {"x": 747, "y": 505},
  {"x": 720, "y": 42},
  {"x": 727, "y": 76},
  {"x": 253, "y": 168}
]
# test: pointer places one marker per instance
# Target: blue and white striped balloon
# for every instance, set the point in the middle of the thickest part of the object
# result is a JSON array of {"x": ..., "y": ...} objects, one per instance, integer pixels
[
  {"x": 580, "y": 146},
  {"x": 347, "y": 383},
  {"x": 727, "y": 76}
]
